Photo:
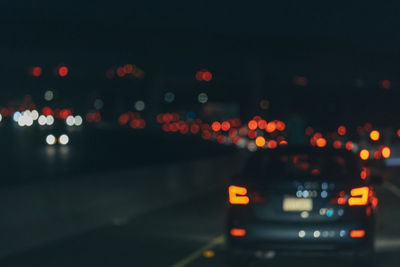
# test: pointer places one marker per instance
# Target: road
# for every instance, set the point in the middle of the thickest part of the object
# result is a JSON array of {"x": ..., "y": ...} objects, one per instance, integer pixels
[{"x": 188, "y": 234}]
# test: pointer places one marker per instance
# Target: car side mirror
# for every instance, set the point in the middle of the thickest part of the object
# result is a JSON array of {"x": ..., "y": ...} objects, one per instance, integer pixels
[{"x": 376, "y": 179}]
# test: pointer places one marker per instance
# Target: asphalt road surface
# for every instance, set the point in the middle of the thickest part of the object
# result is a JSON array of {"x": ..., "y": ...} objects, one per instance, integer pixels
[{"x": 190, "y": 233}]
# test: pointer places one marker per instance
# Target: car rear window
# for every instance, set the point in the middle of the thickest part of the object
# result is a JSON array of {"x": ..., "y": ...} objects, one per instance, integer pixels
[{"x": 316, "y": 164}]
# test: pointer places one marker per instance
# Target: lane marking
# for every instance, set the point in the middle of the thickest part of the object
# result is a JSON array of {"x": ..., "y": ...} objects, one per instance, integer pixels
[
  {"x": 196, "y": 254},
  {"x": 392, "y": 188},
  {"x": 387, "y": 244}
]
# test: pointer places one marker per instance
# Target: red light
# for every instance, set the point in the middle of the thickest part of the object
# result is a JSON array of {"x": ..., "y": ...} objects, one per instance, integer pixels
[
  {"x": 309, "y": 131},
  {"x": 221, "y": 139},
  {"x": 237, "y": 195},
  {"x": 216, "y": 126},
  {"x": 272, "y": 144},
  {"x": 233, "y": 132},
  {"x": 364, "y": 173},
  {"x": 349, "y": 145},
  {"x": 238, "y": 232},
  {"x": 206, "y": 135},
  {"x": 386, "y": 84},
  {"x": 341, "y": 130},
  {"x": 280, "y": 126},
  {"x": 194, "y": 129},
  {"x": 206, "y": 76},
  {"x": 252, "y": 134},
  {"x": 357, "y": 233},
  {"x": 262, "y": 124},
  {"x": 359, "y": 196},
  {"x": 47, "y": 111},
  {"x": 128, "y": 68},
  {"x": 123, "y": 119},
  {"x": 337, "y": 144},
  {"x": 121, "y": 72},
  {"x": 36, "y": 71},
  {"x": 62, "y": 71},
  {"x": 225, "y": 126}
]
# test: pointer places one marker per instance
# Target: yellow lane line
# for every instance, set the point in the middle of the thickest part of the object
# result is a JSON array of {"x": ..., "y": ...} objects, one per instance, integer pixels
[{"x": 185, "y": 261}]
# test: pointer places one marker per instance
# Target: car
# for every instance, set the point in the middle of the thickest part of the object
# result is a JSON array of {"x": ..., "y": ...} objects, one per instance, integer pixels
[{"x": 300, "y": 200}]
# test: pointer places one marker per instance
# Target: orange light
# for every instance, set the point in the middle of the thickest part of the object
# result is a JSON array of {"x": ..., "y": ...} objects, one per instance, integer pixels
[
  {"x": 238, "y": 232},
  {"x": 364, "y": 154},
  {"x": 341, "y": 200},
  {"x": 271, "y": 126},
  {"x": 260, "y": 141},
  {"x": 359, "y": 196},
  {"x": 283, "y": 143},
  {"x": 386, "y": 152},
  {"x": 341, "y": 130},
  {"x": 321, "y": 142},
  {"x": 357, "y": 233},
  {"x": 374, "y": 135},
  {"x": 252, "y": 125},
  {"x": 237, "y": 195},
  {"x": 63, "y": 71}
]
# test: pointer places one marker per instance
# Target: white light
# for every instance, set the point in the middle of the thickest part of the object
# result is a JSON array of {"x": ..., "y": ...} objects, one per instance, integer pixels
[
  {"x": 202, "y": 98},
  {"x": 302, "y": 233},
  {"x": 78, "y": 120},
  {"x": 21, "y": 121},
  {"x": 49, "y": 120},
  {"x": 70, "y": 120},
  {"x": 28, "y": 120},
  {"x": 64, "y": 139},
  {"x": 42, "y": 120},
  {"x": 1, "y": 117},
  {"x": 34, "y": 115},
  {"x": 48, "y": 95},
  {"x": 16, "y": 116},
  {"x": 251, "y": 146},
  {"x": 304, "y": 214},
  {"x": 317, "y": 234},
  {"x": 140, "y": 105},
  {"x": 50, "y": 139}
]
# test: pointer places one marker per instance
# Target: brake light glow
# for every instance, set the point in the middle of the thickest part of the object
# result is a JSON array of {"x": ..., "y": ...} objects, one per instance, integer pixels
[
  {"x": 359, "y": 196},
  {"x": 357, "y": 233},
  {"x": 238, "y": 232},
  {"x": 237, "y": 195}
]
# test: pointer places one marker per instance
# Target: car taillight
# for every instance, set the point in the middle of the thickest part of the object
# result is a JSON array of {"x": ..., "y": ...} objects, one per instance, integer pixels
[
  {"x": 238, "y": 195},
  {"x": 359, "y": 196},
  {"x": 238, "y": 232},
  {"x": 357, "y": 233}
]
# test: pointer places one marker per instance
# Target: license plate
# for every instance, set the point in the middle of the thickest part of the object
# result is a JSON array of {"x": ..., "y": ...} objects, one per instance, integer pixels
[{"x": 297, "y": 204}]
